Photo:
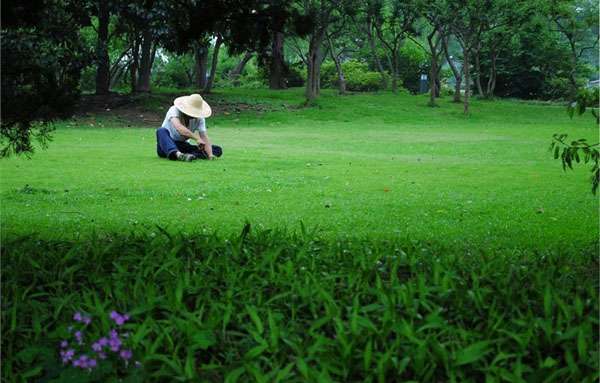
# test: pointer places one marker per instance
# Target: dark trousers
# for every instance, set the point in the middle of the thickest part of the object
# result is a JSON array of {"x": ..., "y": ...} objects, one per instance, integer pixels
[{"x": 166, "y": 147}]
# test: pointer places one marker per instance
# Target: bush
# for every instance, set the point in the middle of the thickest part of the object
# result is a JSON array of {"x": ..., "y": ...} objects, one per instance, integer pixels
[
  {"x": 269, "y": 304},
  {"x": 175, "y": 71},
  {"x": 357, "y": 74}
]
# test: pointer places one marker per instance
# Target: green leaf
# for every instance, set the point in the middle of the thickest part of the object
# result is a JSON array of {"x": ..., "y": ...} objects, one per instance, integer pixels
[
  {"x": 255, "y": 351},
  {"x": 472, "y": 353},
  {"x": 202, "y": 340},
  {"x": 233, "y": 376},
  {"x": 255, "y": 318}
]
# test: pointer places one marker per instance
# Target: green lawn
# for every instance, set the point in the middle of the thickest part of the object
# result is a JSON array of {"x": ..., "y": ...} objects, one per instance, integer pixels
[{"x": 371, "y": 165}]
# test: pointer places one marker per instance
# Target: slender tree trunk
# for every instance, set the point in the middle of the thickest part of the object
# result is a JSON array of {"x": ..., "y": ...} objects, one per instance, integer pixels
[
  {"x": 102, "y": 59},
  {"x": 277, "y": 65},
  {"x": 201, "y": 65},
  {"x": 466, "y": 71},
  {"x": 491, "y": 84},
  {"x": 239, "y": 68},
  {"x": 395, "y": 71},
  {"x": 143, "y": 84},
  {"x": 572, "y": 73},
  {"x": 135, "y": 62},
  {"x": 315, "y": 58},
  {"x": 338, "y": 67},
  {"x": 213, "y": 68},
  {"x": 375, "y": 55},
  {"x": 478, "y": 72},
  {"x": 433, "y": 72},
  {"x": 455, "y": 70}
]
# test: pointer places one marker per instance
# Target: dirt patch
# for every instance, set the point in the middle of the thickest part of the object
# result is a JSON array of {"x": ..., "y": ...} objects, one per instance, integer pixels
[{"x": 149, "y": 109}]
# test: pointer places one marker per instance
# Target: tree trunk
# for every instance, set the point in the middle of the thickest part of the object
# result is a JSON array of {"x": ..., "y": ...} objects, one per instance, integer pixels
[
  {"x": 315, "y": 56},
  {"x": 395, "y": 72},
  {"x": 102, "y": 59},
  {"x": 338, "y": 67},
  {"x": 143, "y": 84},
  {"x": 467, "y": 79},
  {"x": 239, "y": 68},
  {"x": 135, "y": 62},
  {"x": 455, "y": 70},
  {"x": 572, "y": 73},
  {"x": 478, "y": 72},
  {"x": 375, "y": 55},
  {"x": 201, "y": 55},
  {"x": 213, "y": 68},
  {"x": 491, "y": 84},
  {"x": 433, "y": 72},
  {"x": 277, "y": 67}
]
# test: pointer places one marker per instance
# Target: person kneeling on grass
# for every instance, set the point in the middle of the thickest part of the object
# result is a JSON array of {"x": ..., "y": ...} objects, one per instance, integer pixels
[{"x": 185, "y": 120}]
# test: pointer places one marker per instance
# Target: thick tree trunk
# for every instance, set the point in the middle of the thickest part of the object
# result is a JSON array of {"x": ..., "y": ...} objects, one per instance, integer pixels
[
  {"x": 466, "y": 71},
  {"x": 102, "y": 59},
  {"x": 315, "y": 58},
  {"x": 201, "y": 55},
  {"x": 455, "y": 71},
  {"x": 143, "y": 84},
  {"x": 277, "y": 67},
  {"x": 338, "y": 67},
  {"x": 213, "y": 68},
  {"x": 375, "y": 55}
]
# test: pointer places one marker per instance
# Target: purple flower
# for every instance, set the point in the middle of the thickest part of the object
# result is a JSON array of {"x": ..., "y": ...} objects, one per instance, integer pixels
[
  {"x": 126, "y": 354},
  {"x": 115, "y": 344},
  {"x": 64, "y": 344},
  {"x": 103, "y": 342},
  {"x": 114, "y": 334},
  {"x": 118, "y": 318},
  {"x": 96, "y": 347},
  {"x": 77, "y": 317},
  {"x": 79, "y": 337},
  {"x": 102, "y": 355},
  {"x": 92, "y": 363},
  {"x": 67, "y": 355},
  {"x": 87, "y": 320}
]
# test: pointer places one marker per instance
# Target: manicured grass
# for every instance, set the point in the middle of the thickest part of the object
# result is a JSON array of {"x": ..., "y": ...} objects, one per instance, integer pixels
[
  {"x": 387, "y": 241},
  {"x": 371, "y": 165}
]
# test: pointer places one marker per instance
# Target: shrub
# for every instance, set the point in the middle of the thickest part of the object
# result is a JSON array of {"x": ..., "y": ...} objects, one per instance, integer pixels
[
  {"x": 175, "y": 71},
  {"x": 357, "y": 74}
]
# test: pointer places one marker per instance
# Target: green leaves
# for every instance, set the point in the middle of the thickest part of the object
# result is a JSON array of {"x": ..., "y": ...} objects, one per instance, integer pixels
[
  {"x": 472, "y": 353},
  {"x": 225, "y": 311}
]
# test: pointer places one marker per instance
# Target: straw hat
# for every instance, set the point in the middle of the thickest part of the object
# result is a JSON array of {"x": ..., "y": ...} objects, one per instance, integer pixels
[{"x": 193, "y": 105}]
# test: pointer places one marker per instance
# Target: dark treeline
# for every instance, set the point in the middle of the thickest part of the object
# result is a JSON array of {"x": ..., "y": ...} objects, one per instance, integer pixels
[{"x": 52, "y": 48}]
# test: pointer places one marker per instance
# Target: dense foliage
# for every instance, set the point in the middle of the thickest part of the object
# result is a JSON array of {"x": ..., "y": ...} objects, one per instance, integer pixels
[
  {"x": 42, "y": 59},
  {"x": 271, "y": 306}
]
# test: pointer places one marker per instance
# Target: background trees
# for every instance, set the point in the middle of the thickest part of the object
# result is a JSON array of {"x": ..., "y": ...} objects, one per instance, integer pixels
[{"x": 54, "y": 49}]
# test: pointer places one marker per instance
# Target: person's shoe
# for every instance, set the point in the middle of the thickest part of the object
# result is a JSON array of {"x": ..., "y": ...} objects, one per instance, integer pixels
[{"x": 186, "y": 157}]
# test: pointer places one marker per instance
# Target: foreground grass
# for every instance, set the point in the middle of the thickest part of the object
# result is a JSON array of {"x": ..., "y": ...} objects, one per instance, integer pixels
[
  {"x": 373, "y": 165},
  {"x": 278, "y": 307}
]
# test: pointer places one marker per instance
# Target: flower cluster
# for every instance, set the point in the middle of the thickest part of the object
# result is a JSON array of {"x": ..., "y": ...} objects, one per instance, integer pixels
[{"x": 100, "y": 349}]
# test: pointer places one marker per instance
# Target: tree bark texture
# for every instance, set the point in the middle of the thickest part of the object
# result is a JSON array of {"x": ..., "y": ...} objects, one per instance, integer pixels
[
  {"x": 338, "y": 67},
  {"x": 478, "y": 72},
  {"x": 201, "y": 65},
  {"x": 466, "y": 71},
  {"x": 239, "y": 68},
  {"x": 375, "y": 55},
  {"x": 491, "y": 84},
  {"x": 455, "y": 71},
  {"x": 315, "y": 58},
  {"x": 213, "y": 68},
  {"x": 143, "y": 84},
  {"x": 102, "y": 59},
  {"x": 434, "y": 49},
  {"x": 135, "y": 62},
  {"x": 277, "y": 64}
]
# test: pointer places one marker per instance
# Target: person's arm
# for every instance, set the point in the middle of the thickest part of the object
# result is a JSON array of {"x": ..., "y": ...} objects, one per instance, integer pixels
[
  {"x": 185, "y": 132},
  {"x": 207, "y": 145}
]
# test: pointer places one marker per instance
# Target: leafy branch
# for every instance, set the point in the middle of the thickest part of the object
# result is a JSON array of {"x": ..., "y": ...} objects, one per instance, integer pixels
[{"x": 577, "y": 151}]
